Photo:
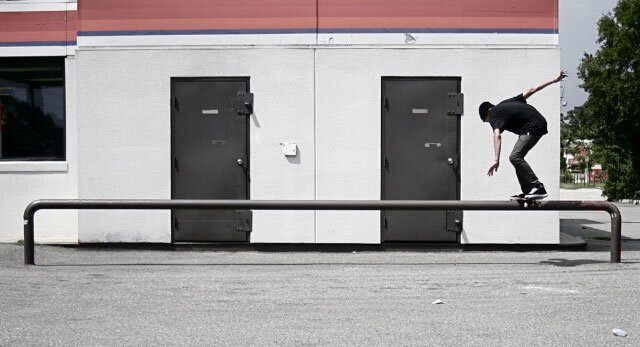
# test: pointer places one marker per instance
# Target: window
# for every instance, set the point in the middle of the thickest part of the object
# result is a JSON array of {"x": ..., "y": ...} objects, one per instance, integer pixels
[{"x": 32, "y": 120}]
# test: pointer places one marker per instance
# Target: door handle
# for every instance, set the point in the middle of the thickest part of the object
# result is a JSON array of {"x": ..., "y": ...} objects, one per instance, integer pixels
[
  {"x": 240, "y": 161},
  {"x": 455, "y": 166}
]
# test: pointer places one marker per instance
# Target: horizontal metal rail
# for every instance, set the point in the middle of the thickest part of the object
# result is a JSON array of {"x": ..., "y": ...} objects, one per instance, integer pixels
[{"x": 415, "y": 205}]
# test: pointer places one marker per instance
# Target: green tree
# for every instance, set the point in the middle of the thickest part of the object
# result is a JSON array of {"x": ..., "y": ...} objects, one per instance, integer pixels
[
  {"x": 569, "y": 133},
  {"x": 611, "y": 114}
]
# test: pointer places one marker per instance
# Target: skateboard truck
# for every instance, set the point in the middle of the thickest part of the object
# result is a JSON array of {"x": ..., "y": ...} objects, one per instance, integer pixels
[{"x": 528, "y": 202}]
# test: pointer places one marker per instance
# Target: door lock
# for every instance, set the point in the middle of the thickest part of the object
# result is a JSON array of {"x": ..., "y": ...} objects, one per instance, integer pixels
[
  {"x": 240, "y": 161},
  {"x": 450, "y": 161}
]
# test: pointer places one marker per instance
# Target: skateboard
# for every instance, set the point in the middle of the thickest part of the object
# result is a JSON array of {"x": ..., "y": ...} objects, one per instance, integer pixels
[{"x": 527, "y": 202}]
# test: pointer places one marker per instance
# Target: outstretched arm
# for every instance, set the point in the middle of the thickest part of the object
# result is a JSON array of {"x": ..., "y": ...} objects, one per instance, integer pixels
[
  {"x": 497, "y": 145},
  {"x": 527, "y": 93}
]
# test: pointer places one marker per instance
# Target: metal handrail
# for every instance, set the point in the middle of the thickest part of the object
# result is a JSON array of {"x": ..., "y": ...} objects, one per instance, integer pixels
[{"x": 416, "y": 205}]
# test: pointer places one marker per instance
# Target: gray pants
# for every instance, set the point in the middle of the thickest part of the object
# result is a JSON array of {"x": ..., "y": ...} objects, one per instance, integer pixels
[{"x": 527, "y": 178}]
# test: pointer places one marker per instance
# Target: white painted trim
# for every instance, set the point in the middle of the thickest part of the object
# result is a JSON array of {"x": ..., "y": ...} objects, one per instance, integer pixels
[
  {"x": 36, "y": 1},
  {"x": 38, "y": 5},
  {"x": 321, "y": 41},
  {"x": 38, "y": 51},
  {"x": 56, "y": 240},
  {"x": 335, "y": 47},
  {"x": 197, "y": 40},
  {"x": 420, "y": 40},
  {"x": 35, "y": 166},
  {"x": 47, "y": 240}
]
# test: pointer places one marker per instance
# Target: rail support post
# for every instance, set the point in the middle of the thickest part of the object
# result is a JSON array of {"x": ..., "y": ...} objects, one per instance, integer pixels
[
  {"x": 29, "y": 243},
  {"x": 616, "y": 233}
]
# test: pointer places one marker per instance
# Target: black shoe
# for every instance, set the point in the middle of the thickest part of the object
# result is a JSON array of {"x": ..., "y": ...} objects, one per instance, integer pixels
[{"x": 536, "y": 193}]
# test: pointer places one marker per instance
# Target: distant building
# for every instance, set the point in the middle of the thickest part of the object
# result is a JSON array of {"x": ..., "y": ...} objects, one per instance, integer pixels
[{"x": 578, "y": 163}]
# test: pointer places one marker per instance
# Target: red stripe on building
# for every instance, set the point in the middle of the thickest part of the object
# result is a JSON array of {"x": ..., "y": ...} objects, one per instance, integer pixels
[
  {"x": 197, "y": 24},
  {"x": 436, "y": 23},
  {"x": 72, "y": 26},
  {"x": 438, "y": 8},
  {"x": 96, "y": 15},
  {"x": 39, "y": 26},
  {"x": 132, "y": 15},
  {"x": 124, "y": 15},
  {"x": 468, "y": 14}
]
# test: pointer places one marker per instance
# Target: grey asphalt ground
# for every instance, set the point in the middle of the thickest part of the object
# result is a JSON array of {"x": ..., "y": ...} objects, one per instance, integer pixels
[{"x": 119, "y": 297}]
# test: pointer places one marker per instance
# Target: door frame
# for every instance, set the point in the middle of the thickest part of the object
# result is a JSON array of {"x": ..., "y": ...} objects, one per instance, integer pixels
[
  {"x": 383, "y": 79},
  {"x": 172, "y": 99}
]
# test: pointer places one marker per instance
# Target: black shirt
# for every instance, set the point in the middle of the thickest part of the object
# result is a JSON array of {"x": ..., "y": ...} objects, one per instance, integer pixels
[{"x": 518, "y": 117}]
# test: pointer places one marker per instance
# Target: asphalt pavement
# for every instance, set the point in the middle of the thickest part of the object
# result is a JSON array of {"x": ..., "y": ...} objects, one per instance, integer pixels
[{"x": 134, "y": 297}]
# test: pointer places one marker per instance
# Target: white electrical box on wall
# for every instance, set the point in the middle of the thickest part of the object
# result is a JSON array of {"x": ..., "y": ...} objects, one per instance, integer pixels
[{"x": 289, "y": 149}]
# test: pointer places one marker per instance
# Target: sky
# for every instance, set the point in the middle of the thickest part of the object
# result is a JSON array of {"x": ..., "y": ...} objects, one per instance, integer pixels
[{"x": 578, "y": 34}]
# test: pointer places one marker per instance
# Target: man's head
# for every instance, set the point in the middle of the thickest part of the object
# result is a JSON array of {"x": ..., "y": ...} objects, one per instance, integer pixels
[{"x": 484, "y": 109}]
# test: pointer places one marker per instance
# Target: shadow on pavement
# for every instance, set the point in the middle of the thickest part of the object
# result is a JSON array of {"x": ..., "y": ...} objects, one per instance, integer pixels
[{"x": 561, "y": 262}]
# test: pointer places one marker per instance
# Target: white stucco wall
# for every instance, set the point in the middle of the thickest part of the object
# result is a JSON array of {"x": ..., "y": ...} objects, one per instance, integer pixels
[
  {"x": 125, "y": 144},
  {"x": 327, "y": 100},
  {"x": 23, "y": 181},
  {"x": 319, "y": 90},
  {"x": 349, "y": 135},
  {"x": 507, "y": 73}
]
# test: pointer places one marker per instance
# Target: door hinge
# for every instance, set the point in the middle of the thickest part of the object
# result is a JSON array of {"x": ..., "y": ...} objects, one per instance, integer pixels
[
  {"x": 386, "y": 163},
  {"x": 386, "y": 103},
  {"x": 455, "y": 104},
  {"x": 175, "y": 164},
  {"x": 176, "y": 104},
  {"x": 175, "y": 223},
  {"x": 244, "y": 221},
  {"x": 386, "y": 223},
  {"x": 242, "y": 103},
  {"x": 454, "y": 221}
]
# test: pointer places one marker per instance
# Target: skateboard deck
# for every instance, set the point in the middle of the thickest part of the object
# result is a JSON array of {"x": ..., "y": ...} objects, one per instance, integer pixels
[{"x": 527, "y": 202}]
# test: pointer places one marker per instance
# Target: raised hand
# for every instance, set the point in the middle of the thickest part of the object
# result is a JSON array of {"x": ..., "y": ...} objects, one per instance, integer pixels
[{"x": 561, "y": 76}]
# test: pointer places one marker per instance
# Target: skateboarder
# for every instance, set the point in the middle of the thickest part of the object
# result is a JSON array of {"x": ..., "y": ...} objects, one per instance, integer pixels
[{"x": 522, "y": 119}]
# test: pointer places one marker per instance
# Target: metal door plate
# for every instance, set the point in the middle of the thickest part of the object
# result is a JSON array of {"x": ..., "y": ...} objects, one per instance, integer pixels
[
  {"x": 244, "y": 221},
  {"x": 455, "y": 104},
  {"x": 243, "y": 103},
  {"x": 454, "y": 221}
]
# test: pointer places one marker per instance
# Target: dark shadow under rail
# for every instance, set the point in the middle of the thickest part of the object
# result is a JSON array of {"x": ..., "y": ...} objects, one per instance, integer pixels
[{"x": 414, "y": 205}]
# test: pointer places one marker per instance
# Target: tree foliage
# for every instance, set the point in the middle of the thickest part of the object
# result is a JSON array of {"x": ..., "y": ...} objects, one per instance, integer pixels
[
  {"x": 611, "y": 114},
  {"x": 569, "y": 137}
]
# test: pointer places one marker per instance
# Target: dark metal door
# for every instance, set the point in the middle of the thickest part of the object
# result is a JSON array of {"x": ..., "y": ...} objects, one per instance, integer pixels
[
  {"x": 420, "y": 159},
  {"x": 209, "y": 155}
]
